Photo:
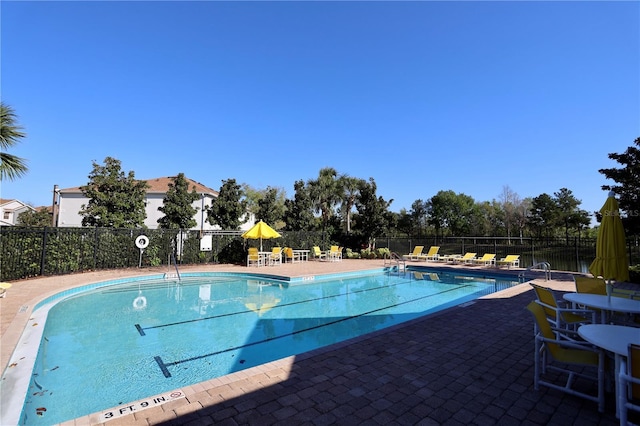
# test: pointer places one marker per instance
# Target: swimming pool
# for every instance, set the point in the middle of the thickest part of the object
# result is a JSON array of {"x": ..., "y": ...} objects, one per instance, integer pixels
[{"x": 130, "y": 340}]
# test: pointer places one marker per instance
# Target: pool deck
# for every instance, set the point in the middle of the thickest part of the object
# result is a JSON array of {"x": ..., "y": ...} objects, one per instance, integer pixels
[{"x": 470, "y": 364}]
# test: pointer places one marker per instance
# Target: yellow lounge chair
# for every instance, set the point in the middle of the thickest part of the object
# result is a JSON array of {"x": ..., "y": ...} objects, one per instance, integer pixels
[
  {"x": 510, "y": 260},
  {"x": 467, "y": 258},
  {"x": 432, "y": 254},
  {"x": 487, "y": 259},
  {"x": 417, "y": 252}
]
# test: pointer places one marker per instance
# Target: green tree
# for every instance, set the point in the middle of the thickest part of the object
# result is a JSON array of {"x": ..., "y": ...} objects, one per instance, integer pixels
[
  {"x": 373, "y": 212},
  {"x": 349, "y": 187},
  {"x": 488, "y": 219},
  {"x": 271, "y": 208},
  {"x": 627, "y": 185},
  {"x": 35, "y": 218},
  {"x": 325, "y": 194},
  {"x": 448, "y": 210},
  {"x": 11, "y": 166},
  {"x": 569, "y": 215},
  {"x": 543, "y": 217},
  {"x": 177, "y": 205},
  {"x": 299, "y": 211},
  {"x": 115, "y": 199},
  {"x": 251, "y": 196},
  {"x": 419, "y": 215},
  {"x": 229, "y": 210},
  {"x": 405, "y": 223}
]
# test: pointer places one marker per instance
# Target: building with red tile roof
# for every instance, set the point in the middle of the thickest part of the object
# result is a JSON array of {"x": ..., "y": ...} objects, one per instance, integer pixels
[{"x": 70, "y": 202}]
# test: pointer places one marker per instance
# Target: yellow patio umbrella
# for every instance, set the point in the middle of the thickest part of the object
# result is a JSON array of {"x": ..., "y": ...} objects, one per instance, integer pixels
[
  {"x": 611, "y": 262},
  {"x": 262, "y": 307},
  {"x": 260, "y": 303},
  {"x": 261, "y": 230}
]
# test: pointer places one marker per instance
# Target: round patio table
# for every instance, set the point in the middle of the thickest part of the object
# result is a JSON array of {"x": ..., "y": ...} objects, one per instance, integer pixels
[{"x": 605, "y": 303}]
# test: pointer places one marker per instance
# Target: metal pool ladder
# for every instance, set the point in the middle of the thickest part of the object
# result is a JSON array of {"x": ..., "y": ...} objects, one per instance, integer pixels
[
  {"x": 544, "y": 266},
  {"x": 395, "y": 261},
  {"x": 171, "y": 275}
]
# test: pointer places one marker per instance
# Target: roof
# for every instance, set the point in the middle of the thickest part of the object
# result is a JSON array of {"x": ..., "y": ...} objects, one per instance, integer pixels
[
  {"x": 5, "y": 201},
  {"x": 161, "y": 186}
]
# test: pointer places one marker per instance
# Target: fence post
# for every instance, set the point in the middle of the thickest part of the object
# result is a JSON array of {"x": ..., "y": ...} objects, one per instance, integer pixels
[
  {"x": 95, "y": 248},
  {"x": 43, "y": 251}
]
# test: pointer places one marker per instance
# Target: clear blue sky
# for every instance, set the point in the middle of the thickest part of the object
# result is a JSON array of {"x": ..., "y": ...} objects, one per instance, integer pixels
[{"x": 421, "y": 96}]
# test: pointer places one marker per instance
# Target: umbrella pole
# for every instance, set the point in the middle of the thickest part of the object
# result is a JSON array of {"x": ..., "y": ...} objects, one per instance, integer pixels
[{"x": 609, "y": 290}]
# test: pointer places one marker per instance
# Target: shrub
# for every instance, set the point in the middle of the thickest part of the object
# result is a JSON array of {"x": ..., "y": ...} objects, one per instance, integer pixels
[
  {"x": 350, "y": 254},
  {"x": 383, "y": 253}
]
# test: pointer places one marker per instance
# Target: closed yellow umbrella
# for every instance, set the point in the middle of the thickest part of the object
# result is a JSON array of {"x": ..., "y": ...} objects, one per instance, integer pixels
[
  {"x": 611, "y": 262},
  {"x": 261, "y": 230}
]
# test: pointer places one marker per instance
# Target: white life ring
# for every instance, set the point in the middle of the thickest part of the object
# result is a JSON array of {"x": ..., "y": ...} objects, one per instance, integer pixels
[
  {"x": 142, "y": 242},
  {"x": 139, "y": 303}
]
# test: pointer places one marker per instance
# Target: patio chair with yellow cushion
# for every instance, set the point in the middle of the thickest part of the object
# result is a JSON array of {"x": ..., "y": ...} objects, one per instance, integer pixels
[
  {"x": 558, "y": 312},
  {"x": 3, "y": 289},
  {"x": 467, "y": 258},
  {"x": 254, "y": 258},
  {"x": 319, "y": 254},
  {"x": 510, "y": 260},
  {"x": 290, "y": 255},
  {"x": 487, "y": 259},
  {"x": 593, "y": 285},
  {"x": 415, "y": 255},
  {"x": 556, "y": 353},
  {"x": 335, "y": 253},
  {"x": 275, "y": 258},
  {"x": 629, "y": 385},
  {"x": 432, "y": 254}
]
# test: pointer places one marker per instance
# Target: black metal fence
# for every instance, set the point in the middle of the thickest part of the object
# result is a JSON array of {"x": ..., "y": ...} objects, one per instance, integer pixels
[
  {"x": 573, "y": 254},
  {"x": 31, "y": 252}
]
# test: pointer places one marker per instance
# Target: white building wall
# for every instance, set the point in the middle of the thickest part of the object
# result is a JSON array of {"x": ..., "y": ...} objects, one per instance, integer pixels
[
  {"x": 10, "y": 211},
  {"x": 70, "y": 204}
]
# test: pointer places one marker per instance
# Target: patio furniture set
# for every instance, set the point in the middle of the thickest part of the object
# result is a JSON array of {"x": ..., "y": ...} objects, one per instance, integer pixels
[
  {"x": 276, "y": 256},
  {"x": 577, "y": 334}
]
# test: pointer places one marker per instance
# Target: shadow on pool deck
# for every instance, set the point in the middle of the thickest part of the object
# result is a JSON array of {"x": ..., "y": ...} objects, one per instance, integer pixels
[{"x": 465, "y": 365}]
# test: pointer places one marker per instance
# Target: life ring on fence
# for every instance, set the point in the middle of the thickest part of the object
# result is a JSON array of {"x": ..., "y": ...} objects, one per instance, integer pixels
[
  {"x": 142, "y": 242},
  {"x": 139, "y": 303}
]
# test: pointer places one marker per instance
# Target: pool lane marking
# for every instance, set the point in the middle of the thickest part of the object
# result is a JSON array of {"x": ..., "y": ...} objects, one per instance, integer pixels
[
  {"x": 142, "y": 333},
  {"x": 163, "y": 365}
]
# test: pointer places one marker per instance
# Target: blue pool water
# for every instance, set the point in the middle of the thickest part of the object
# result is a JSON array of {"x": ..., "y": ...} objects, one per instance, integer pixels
[{"x": 121, "y": 343}]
